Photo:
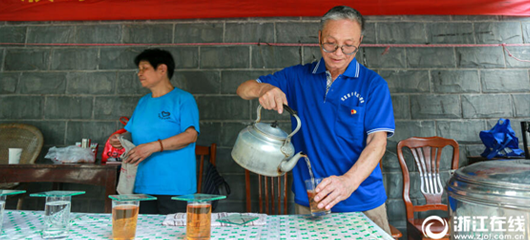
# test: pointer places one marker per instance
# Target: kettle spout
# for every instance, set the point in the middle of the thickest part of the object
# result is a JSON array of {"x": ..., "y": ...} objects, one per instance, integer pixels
[{"x": 288, "y": 164}]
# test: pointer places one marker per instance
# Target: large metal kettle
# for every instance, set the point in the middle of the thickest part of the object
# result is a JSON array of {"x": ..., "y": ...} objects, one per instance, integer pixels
[{"x": 265, "y": 149}]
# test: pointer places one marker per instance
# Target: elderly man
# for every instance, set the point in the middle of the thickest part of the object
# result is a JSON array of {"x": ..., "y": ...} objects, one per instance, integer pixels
[{"x": 346, "y": 114}]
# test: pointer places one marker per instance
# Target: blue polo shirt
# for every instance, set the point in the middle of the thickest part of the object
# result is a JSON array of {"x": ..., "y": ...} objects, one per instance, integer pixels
[
  {"x": 171, "y": 172},
  {"x": 335, "y": 125}
]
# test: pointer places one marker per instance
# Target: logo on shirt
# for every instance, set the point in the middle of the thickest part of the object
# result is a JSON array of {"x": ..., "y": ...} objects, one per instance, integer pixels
[
  {"x": 164, "y": 115},
  {"x": 352, "y": 94}
]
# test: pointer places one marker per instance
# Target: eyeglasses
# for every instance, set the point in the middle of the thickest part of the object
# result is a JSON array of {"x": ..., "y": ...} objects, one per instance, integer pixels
[{"x": 332, "y": 47}]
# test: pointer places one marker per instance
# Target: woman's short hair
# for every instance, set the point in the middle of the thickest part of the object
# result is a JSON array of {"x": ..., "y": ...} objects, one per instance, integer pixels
[
  {"x": 155, "y": 57},
  {"x": 342, "y": 12}
]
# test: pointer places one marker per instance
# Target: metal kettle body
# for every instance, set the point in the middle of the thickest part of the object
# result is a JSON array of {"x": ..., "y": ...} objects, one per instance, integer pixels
[{"x": 265, "y": 149}]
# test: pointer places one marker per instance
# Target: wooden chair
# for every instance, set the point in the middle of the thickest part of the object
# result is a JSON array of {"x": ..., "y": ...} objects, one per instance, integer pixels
[
  {"x": 394, "y": 232},
  {"x": 426, "y": 153},
  {"x": 202, "y": 152},
  {"x": 272, "y": 192},
  {"x": 19, "y": 135}
]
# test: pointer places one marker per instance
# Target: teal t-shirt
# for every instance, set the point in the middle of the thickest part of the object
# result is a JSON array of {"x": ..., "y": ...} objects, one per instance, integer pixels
[{"x": 171, "y": 172}]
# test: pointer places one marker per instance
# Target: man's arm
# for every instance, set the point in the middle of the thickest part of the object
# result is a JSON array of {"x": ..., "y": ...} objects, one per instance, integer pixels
[
  {"x": 270, "y": 97},
  {"x": 179, "y": 141},
  {"x": 341, "y": 187}
]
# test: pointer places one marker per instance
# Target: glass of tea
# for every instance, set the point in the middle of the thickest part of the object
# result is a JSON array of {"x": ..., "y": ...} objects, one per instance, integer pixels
[
  {"x": 56, "y": 213},
  {"x": 310, "y": 185},
  {"x": 199, "y": 214},
  {"x": 125, "y": 210}
]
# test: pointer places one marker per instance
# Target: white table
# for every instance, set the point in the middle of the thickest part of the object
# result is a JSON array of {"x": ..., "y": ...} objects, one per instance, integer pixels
[{"x": 28, "y": 225}]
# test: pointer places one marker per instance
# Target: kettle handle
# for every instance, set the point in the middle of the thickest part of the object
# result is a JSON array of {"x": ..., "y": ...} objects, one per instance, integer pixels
[{"x": 292, "y": 112}]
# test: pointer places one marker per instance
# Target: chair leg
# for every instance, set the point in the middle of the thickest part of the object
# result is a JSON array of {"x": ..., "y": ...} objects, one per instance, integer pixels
[{"x": 20, "y": 202}]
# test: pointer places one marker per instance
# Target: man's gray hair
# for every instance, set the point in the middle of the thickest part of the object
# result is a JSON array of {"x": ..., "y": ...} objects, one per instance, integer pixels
[{"x": 342, "y": 12}]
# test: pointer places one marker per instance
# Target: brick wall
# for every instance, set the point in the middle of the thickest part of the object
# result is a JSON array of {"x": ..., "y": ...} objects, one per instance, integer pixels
[{"x": 74, "y": 92}]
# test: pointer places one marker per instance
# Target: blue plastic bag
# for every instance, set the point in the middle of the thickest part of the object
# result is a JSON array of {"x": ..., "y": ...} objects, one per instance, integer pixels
[{"x": 500, "y": 141}]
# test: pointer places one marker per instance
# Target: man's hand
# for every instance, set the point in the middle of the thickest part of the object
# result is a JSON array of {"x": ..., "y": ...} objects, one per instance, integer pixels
[
  {"x": 333, "y": 190},
  {"x": 141, "y": 152},
  {"x": 271, "y": 97},
  {"x": 114, "y": 142}
]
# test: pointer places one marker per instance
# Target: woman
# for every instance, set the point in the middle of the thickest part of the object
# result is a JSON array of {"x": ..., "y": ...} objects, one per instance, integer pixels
[{"x": 164, "y": 128}]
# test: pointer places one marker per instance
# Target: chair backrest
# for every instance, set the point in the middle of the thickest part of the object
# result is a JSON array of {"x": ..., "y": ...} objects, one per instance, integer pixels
[
  {"x": 426, "y": 153},
  {"x": 272, "y": 193},
  {"x": 201, "y": 152},
  {"x": 19, "y": 135}
]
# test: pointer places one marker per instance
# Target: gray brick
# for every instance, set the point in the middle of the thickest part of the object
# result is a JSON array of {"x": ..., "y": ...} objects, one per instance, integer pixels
[
  {"x": 390, "y": 160},
  {"x": 292, "y": 32},
  {"x": 407, "y": 129},
  {"x": 43, "y": 83},
  {"x": 379, "y": 18},
  {"x": 487, "y": 106},
  {"x": 435, "y": 106},
  {"x": 98, "y": 33},
  {"x": 118, "y": 58},
  {"x": 17, "y": 107},
  {"x": 463, "y": 132},
  {"x": 455, "y": 81},
  {"x": 91, "y": 82},
  {"x": 498, "y": 32},
  {"x": 128, "y": 83},
  {"x": 396, "y": 210},
  {"x": 394, "y": 58},
  {"x": 198, "y": 33},
  {"x": 229, "y": 133},
  {"x": 224, "y": 57},
  {"x": 74, "y": 59},
  {"x": 369, "y": 33},
  {"x": 223, "y": 108},
  {"x": 230, "y": 80},
  {"x": 275, "y": 57},
  {"x": 426, "y": 18},
  {"x": 526, "y": 32},
  {"x": 401, "y": 32},
  {"x": 114, "y": 107},
  {"x": 12, "y": 34},
  {"x": 51, "y": 34},
  {"x": 393, "y": 185},
  {"x": 520, "y": 53},
  {"x": 443, "y": 33},
  {"x": 185, "y": 57},
  {"x": 53, "y": 131},
  {"x": 147, "y": 33},
  {"x": 501, "y": 80},
  {"x": 210, "y": 133},
  {"x": 476, "y": 57},
  {"x": 98, "y": 132},
  {"x": 27, "y": 59},
  {"x": 475, "y": 18},
  {"x": 68, "y": 108},
  {"x": 226, "y": 164},
  {"x": 521, "y": 103},
  {"x": 8, "y": 82},
  {"x": 401, "y": 106},
  {"x": 408, "y": 81},
  {"x": 238, "y": 182},
  {"x": 312, "y": 54},
  {"x": 198, "y": 82},
  {"x": 430, "y": 57},
  {"x": 249, "y": 32}
]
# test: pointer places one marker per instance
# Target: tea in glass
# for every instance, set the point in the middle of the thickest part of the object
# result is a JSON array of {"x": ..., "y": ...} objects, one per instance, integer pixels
[
  {"x": 124, "y": 219},
  {"x": 311, "y": 185},
  {"x": 198, "y": 220}
]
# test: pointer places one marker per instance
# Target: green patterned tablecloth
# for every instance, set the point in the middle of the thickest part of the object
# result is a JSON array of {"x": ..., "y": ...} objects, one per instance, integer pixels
[{"x": 28, "y": 224}]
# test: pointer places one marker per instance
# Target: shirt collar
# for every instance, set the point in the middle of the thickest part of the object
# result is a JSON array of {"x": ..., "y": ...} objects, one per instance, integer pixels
[{"x": 351, "y": 71}]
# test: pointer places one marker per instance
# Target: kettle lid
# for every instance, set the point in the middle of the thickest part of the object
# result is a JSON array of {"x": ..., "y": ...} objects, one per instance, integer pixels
[{"x": 271, "y": 130}]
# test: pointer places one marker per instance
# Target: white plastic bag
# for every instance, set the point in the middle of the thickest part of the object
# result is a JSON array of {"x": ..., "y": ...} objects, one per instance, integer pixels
[
  {"x": 70, "y": 154},
  {"x": 128, "y": 170}
]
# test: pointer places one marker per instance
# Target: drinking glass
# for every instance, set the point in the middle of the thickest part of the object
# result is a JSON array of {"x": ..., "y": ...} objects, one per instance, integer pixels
[
  {"x": 199, "y": 214},
  {"x": 311, "y": 193},
  {"x": 3, "y": 194},
  {"x": 125, "y": 210},
  {"x": 57, "y": 213}
]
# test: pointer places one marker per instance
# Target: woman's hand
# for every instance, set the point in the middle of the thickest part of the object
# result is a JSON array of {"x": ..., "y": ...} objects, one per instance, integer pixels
[
  {"x": 141, "y": 152},
  {"x": 114, "y": 142}
]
